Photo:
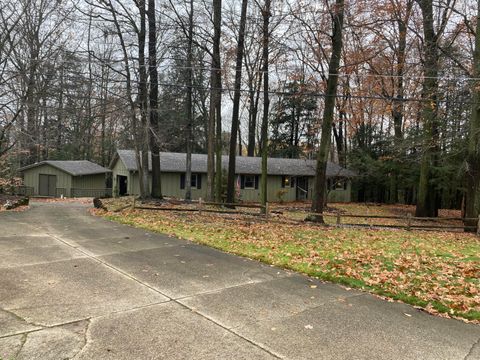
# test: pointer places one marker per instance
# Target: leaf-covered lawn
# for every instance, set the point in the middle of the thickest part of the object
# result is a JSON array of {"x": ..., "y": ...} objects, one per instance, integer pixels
[
  {"x": 439, "y": 272},
  {"x": 298, "y": 211}
]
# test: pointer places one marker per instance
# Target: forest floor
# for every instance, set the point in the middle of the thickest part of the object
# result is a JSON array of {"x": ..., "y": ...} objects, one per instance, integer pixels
[{"x": 436, "y": 271}]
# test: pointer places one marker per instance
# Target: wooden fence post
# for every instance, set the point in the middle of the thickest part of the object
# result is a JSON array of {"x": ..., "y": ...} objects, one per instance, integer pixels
[
  {"x": 478, "y": 226},
  {"x": 409, "y": 222},
  {"x": 133, "y": 203},
  {"x": 339, "y": 219},
  {"x": 267, "y": 209},
  {"x": 200, "y": 205}
]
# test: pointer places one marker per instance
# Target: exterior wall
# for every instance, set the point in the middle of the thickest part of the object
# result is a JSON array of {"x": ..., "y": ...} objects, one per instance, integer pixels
[
  {"x": 120, "y": 169},
  {"x": 64, "y": 180},
  {"x": 134, "y": 184},
  {"x": 341, "y": 196},
  {"x": 171, "y": 187},
  {"x": 274, "y": 185},
  {"x": 89, "y": 186},
  {"x": 89, "y": 182}
]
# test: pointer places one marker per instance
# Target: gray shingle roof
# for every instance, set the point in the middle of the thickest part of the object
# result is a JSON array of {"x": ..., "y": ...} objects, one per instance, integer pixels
[
  {"x": 72, "y": 167},
  {"x": 176, "y": 162}
]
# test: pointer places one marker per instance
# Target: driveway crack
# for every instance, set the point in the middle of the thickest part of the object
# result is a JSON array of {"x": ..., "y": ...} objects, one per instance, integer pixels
[
  {"x": 470, "y": 352},
  {"x": 93, "y": 257},
  {"x": 85, "y": 338},
  {"x": 18, "y": 317},
  {"x": 22, "y": 344}
]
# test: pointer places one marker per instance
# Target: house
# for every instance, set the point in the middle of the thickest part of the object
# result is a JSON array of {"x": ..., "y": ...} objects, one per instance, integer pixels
[
  {"x": 80, "y": 178},
  {"x": 288, "y": 179}
]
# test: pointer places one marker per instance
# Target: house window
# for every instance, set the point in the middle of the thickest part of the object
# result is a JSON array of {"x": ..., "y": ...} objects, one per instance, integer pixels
[
  {"x": 193, "y": 182},
  {"x": 249, "y": 182},
  {"x": 288, "y": 181},
  {"x": 196, "y": 181},
  {"x": 341, "y": 185},
  {"x": 337, "y": 184}
]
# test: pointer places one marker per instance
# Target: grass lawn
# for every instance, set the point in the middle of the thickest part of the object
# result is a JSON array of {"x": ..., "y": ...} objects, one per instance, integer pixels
[{"x": 439, "y": 272}]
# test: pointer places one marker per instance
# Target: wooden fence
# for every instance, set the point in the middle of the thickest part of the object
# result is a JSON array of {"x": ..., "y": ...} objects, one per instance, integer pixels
[
  {"x": 201, "y": 207},
  {"x": 407, "y": 222},
  {"x": 23, "y": 190}
]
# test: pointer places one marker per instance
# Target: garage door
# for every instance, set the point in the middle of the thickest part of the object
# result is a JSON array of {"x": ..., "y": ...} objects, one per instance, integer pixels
[{"x": 47, "y": 185}]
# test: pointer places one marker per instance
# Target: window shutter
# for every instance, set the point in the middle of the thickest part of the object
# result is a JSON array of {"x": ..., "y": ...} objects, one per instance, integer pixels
[
  {"x": 283, "y": 180},
  {"x": 256, "y": 181},
  {"x": 199, "y": 181},
  {"x": 182, "y": 181},
  {"x": 242, "y": 181}
]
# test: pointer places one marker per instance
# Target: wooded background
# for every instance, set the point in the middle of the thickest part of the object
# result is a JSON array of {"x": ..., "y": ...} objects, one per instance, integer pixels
[{"x": 388, "y": 88}]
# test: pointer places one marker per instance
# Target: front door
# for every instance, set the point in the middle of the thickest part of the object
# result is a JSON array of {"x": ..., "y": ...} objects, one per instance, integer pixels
[
  {"x": 122, "y": 185},
  {"x": 47, "y": 185},
  {"x": 302, "y": 188}
]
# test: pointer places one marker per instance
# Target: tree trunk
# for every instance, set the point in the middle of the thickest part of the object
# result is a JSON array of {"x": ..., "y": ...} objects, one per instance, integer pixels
[
  {"x": 266, "y": 101},
  {"x": 211, "y": 139},
  {"x": 236, "y": 106},
  {"x": 252, "y": 115},
  {"x": 154, "y": 129},
  {"x": 217, "y": 24},
  {"x": 188, "y": 104},
  {"x": 214, "y": 158},
  {"x": 339, "y": 138},
  {"x": 219, "y": 140},
  {"x": 427, "y": 201},
  {"x": 398, "y": 106},
  {"x": 30, "y": 140},
  {"x": 319, "y": 197},
  {"x": 143, "y": 101},
  {"x": 472, "y": 195}
]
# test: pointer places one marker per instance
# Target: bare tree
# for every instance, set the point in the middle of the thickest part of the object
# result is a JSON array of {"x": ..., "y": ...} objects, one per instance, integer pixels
[
  {"x": 236, "y": 105},
  {"x": 10, "y": 110},
  {"x": 214, "y": 163},
  {"x": 319, "y": 200},
  {"x": 189, "y": 106},
  {"x": 153, "y": 95},
  {"x": 266, "y": 14}
]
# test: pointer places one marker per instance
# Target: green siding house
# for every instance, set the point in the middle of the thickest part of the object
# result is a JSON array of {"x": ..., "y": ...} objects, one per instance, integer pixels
[
  {"x": 80, "y": 178},
  {"x": 288, "y": 179}
]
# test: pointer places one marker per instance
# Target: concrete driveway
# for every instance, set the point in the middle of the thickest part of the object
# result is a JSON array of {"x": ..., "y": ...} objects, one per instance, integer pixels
[{"x": 76, "y": 286}]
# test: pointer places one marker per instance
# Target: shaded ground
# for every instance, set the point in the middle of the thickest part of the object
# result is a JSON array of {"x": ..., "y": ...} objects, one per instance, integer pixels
[{"x": 76, "y": 286}]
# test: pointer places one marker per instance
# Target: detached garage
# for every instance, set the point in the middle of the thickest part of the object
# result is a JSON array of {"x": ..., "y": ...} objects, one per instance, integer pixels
[{"x": 80, "y": 178}]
